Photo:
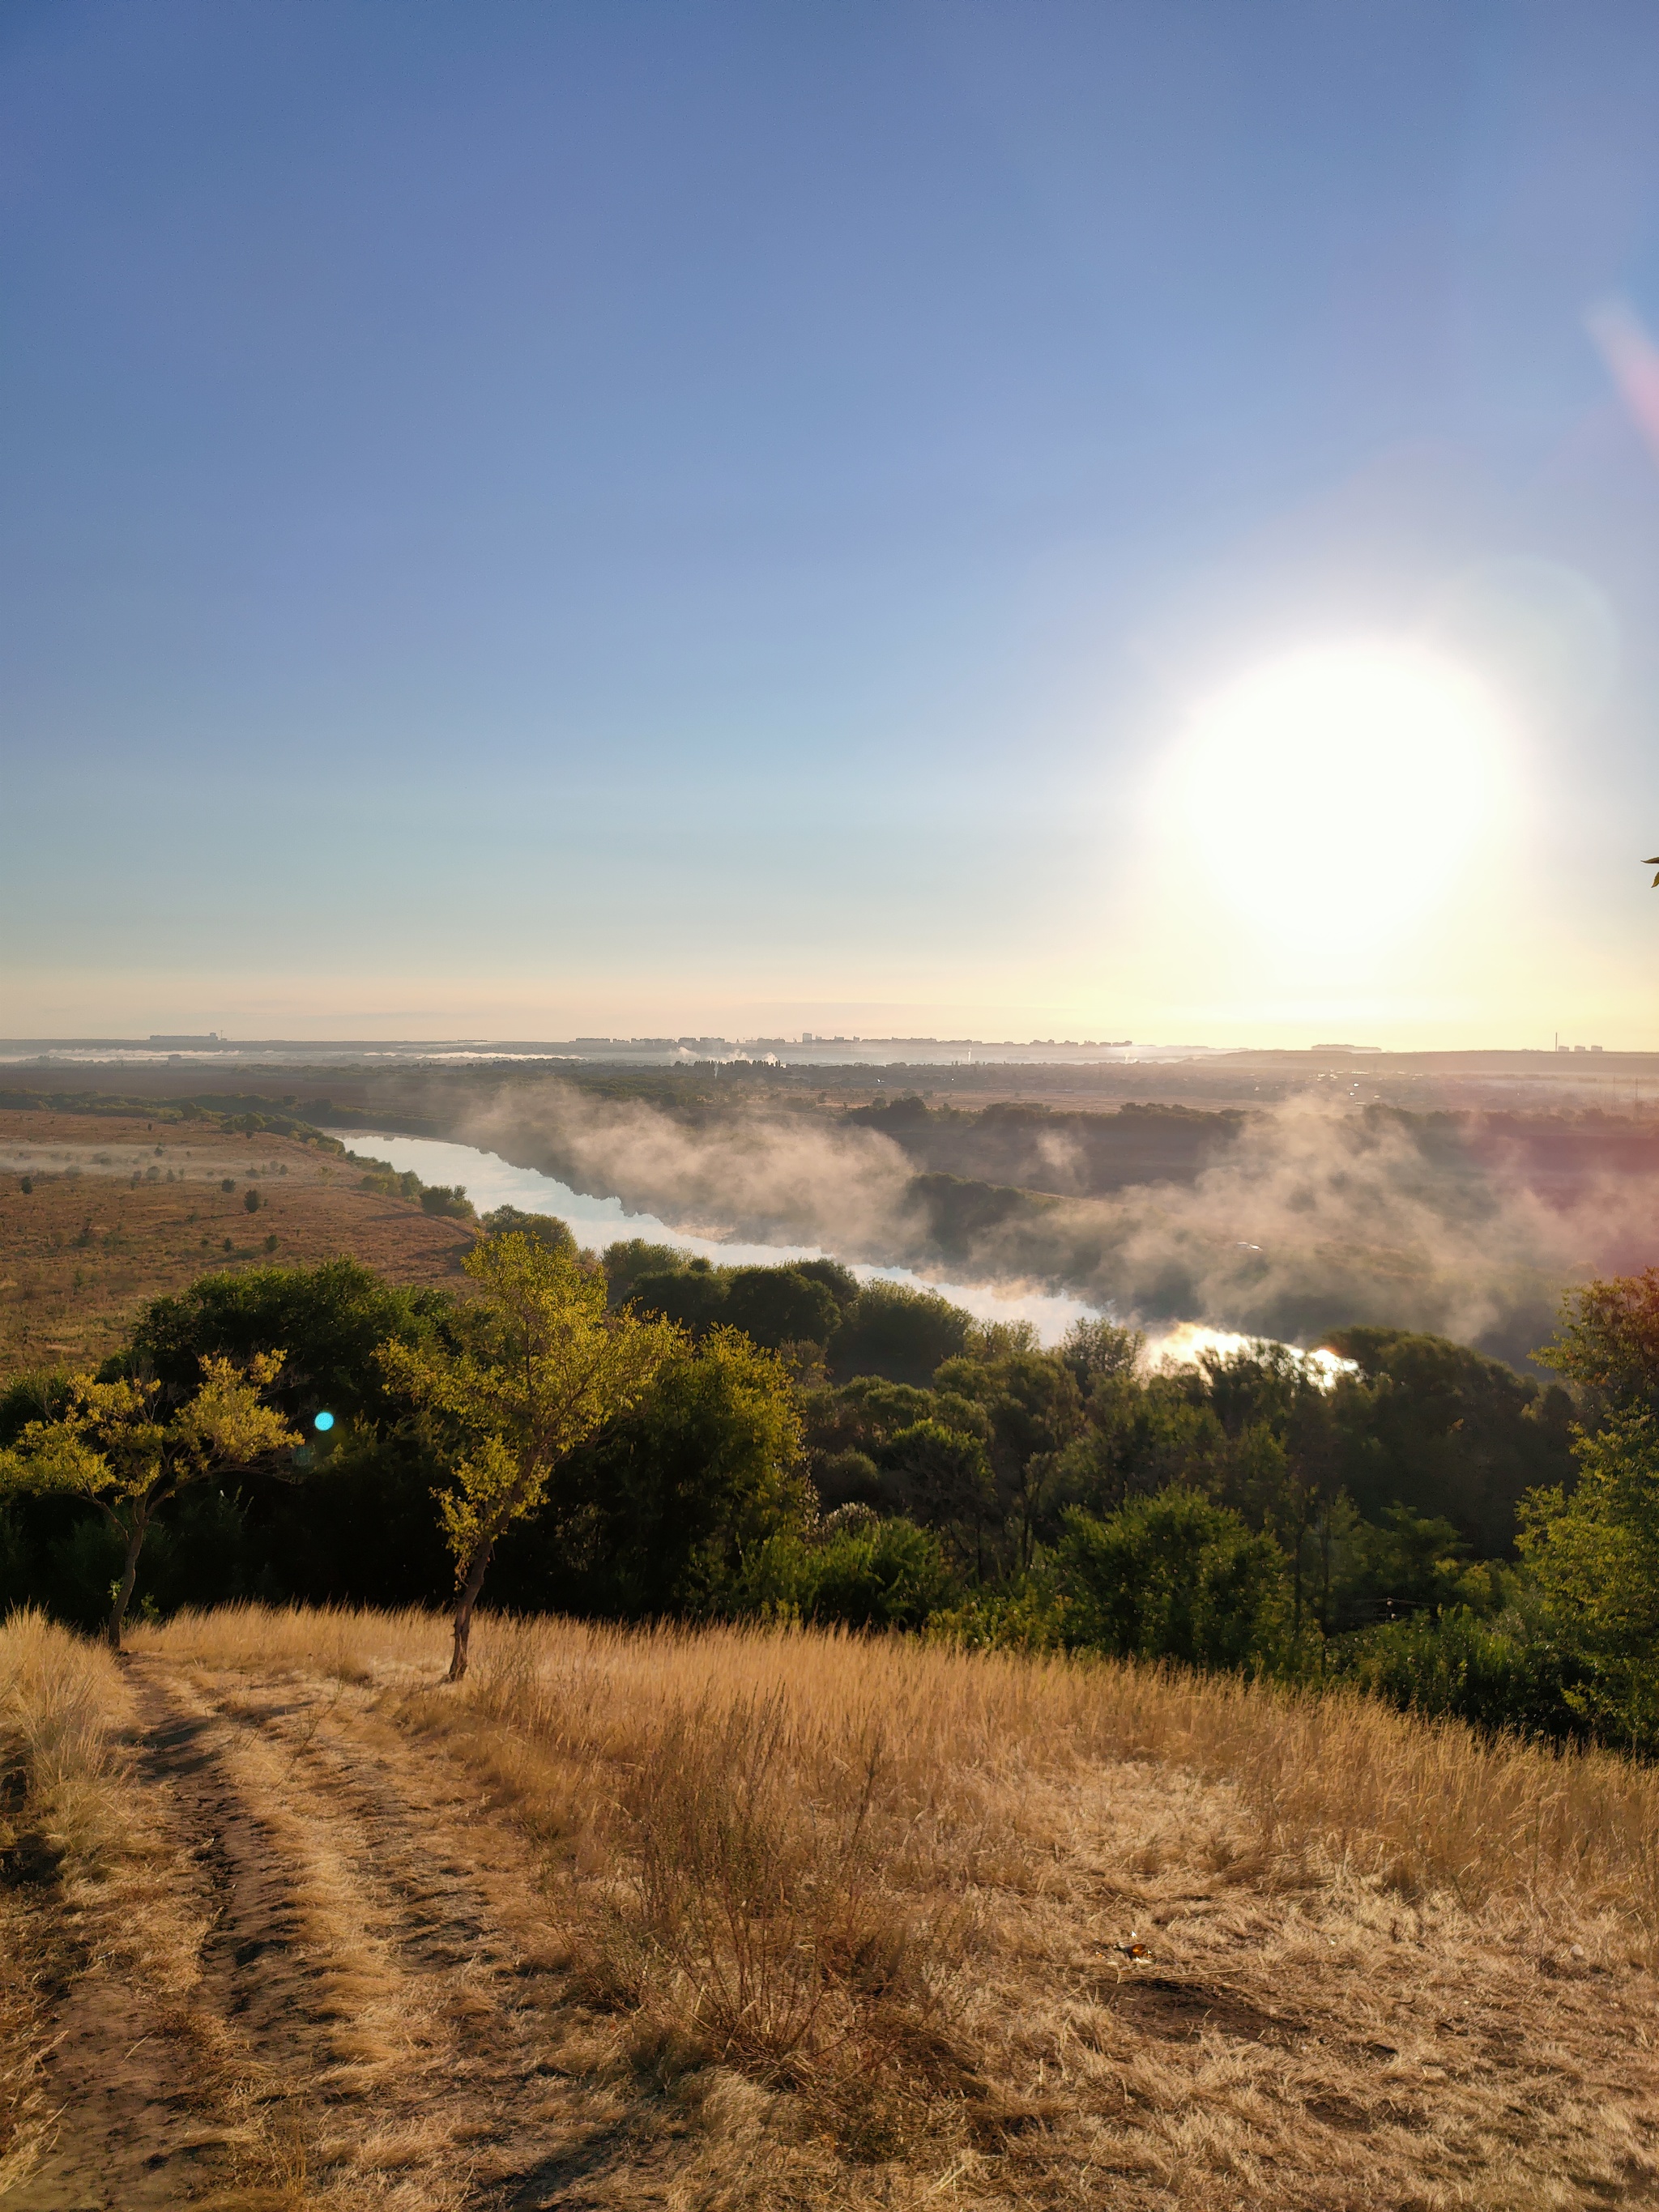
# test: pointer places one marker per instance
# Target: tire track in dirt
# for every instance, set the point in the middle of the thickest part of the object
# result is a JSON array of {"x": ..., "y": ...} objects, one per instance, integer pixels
[{"x": 369, "y": 2017}]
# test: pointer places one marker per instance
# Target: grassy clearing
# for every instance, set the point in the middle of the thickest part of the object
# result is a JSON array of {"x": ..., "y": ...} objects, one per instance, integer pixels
[{"x": 879, "y": 1922}]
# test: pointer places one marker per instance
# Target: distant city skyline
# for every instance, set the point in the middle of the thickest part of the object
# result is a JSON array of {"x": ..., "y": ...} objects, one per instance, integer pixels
[{"x": 988, "y": 520}]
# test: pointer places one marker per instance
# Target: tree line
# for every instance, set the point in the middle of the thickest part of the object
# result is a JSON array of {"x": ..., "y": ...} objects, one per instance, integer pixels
[{"x": 647, "y": 1436}]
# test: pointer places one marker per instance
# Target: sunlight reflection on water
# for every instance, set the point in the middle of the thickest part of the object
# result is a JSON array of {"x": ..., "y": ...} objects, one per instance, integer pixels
[{"x": 491, "y": 1181}]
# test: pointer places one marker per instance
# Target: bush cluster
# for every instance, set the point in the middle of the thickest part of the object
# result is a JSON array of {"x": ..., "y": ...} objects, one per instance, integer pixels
[{"x": 1423, "y": 1522}]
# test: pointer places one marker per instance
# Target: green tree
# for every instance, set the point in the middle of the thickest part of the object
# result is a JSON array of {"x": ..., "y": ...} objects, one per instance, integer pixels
[
  {"x": 540, "y": 1228},
  {"x": 123, "y": 1447},
  {"x": 1031, "y": 1401},
  {"x": 782, "y": 1305},
  {"x": 1595, "y": 1553},
  {"x": 544, "y": 1368},
  {"x": 899, "y": 1332},
  {"x": 1173, "y": 1577},
  {"x": 448, "y": 1200},
  {"x": 1609, "y": 1342},
  {"x": 656, "y": 1513},
  {"x": 1096, "y": 1349},
  {"x": 331, "y": 1319},
  {"x": 941, "y": 1477},
  {"x": 1437, "y": 1426}
]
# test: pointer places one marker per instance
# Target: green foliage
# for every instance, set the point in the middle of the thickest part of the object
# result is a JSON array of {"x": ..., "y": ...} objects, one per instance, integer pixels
[
  {"x": 1033, "y": 1407},
  {"x": 862, "y": 1573},
  {"x": 941, "y": 1477},
  {"x": 329, "y": 1320},
  {"x": 631, "y": 1257},
  {"x": 657, "y": 1514},
  {"x": 899, "y": 1332},
  {"x": 449, "y": 1201},
  {"x": 40, "y": 1395},
  {"x": 782, "y": 1305},
  {"x": 1140, "y": 1437},
  {"x": 1098, "y": 1351},
  {"x": 1440, "y": 1428},
  {"x": 543, "y": 1366},
  {"x": 1505, "y": 1669},
  {"x": 540, "y": 1228},
  {"x": 1609, "y": 1342},
  {"x": 691, "y": 1294},
  {"x": 129, "y": 1445},
  {"x": 1172, "y": 1576},
  {"x": 251, "y": 1201},
  {"x": 1594, "y": 1556}
]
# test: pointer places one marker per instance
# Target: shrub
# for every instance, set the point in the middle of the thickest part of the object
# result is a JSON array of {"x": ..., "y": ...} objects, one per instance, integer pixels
[
  {"x": 449, "y": 1201},
  {"x": 1171, "y": 1577},
  {"x": 543, "y": 1229},
  {"x": 863, "y": 1573},
  {"x": 1510, "y": 1672}
]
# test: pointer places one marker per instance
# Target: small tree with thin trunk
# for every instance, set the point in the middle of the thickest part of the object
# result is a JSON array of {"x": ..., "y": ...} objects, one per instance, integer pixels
[
  {"x": 543, "y": 1367},
  {"x": 126, "y": 1447}
]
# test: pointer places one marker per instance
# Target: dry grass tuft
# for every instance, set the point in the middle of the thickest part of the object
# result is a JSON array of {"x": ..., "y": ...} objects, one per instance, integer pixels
[
  {"x": 65, "y": 1834},
  {"x": 871, "y": 1920}
]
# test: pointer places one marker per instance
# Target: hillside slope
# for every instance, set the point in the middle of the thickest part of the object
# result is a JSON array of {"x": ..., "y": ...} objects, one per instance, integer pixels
[{"x": 745, "y": 1920}]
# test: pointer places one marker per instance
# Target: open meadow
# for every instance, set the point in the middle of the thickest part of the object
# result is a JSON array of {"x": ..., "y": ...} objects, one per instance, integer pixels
[
  {"x": 121, "y": 1208},
  {"x": 750, "y": 1918}
]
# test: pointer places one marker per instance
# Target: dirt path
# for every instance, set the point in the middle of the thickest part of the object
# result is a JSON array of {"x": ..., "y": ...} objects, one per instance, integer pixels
[{"x": 361, "y": 2007}]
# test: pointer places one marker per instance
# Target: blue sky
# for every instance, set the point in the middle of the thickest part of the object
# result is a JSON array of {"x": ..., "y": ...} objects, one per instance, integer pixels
[{"x": 522, "y": 520}]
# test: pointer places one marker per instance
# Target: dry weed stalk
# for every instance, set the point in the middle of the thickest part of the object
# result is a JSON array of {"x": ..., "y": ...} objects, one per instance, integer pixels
[
  {"x": 880, "y": 1895},
  {"x": 63, "y": 1828},
  {"x": 1334, "y": 1780}
]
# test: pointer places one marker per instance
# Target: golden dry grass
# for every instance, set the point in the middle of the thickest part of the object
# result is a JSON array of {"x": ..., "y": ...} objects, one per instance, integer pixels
[
  {"x": 69, "y": 1834},
  {"x": 873, "y": 1922}
]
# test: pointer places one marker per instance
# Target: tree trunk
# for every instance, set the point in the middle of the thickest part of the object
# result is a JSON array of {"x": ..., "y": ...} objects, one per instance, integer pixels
[
  {"x": 466, "y": 1597},
  {"x": 129, "y": 1576}
]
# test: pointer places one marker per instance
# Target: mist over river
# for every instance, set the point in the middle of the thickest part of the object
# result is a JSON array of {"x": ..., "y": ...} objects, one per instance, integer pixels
[{"x": 490, "y": 1182}]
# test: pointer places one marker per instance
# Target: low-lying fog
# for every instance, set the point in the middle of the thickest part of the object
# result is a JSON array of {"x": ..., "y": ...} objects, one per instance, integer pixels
[
  {"x": 1286, "y": 1222},
  {"x": 491, "y": 1181}
]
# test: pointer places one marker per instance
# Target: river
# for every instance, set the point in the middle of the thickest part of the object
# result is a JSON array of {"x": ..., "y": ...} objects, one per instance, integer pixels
[{"x": 490, "y": 1181}]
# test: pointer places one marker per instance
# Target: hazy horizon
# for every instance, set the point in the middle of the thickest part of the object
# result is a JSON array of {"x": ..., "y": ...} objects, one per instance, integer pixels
[{"x": 1126, "y": 522}]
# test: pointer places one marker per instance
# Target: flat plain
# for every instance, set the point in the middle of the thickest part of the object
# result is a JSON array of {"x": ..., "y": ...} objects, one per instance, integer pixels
[{"x": 122, "y": 1209}]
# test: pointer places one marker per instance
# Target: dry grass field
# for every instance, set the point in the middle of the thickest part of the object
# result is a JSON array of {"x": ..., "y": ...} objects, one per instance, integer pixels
[
  {"x": 751, "y": 1920},
  {"x": 122, "y": 1210}
]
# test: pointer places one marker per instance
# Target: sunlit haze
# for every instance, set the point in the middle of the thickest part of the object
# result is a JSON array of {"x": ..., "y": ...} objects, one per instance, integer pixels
[
  {"x": 977, "y": 521},
  {"x": 1343, "y": 791}
]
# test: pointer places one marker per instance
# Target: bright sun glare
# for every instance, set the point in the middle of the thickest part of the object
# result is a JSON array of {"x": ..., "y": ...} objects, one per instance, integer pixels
[{"x": 1343, "y": 787}]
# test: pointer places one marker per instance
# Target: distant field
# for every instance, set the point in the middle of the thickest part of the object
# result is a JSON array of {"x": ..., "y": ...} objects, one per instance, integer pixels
[
  {"x": 122, "y": 1209},
  {"x": 742, "y": 1920}
]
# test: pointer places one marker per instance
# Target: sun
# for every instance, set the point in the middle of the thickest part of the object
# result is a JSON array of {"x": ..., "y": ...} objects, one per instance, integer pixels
[{"x": 1342, "y": 789}]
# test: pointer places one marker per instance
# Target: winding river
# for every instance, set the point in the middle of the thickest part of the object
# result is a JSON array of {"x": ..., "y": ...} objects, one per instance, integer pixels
[{"x": 490, "y": 1180}]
